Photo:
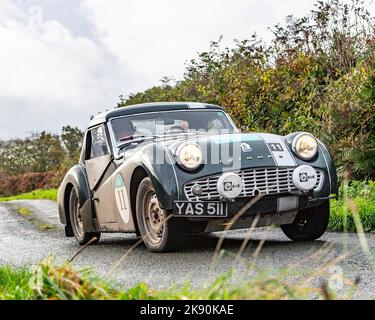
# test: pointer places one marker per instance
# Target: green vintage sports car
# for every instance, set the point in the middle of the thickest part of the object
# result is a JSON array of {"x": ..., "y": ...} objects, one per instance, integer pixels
[{"x": 164, "y": 170}]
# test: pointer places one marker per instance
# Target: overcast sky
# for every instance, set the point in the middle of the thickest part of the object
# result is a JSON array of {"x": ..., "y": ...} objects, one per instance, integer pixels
[{"x": 63, "y": 60}]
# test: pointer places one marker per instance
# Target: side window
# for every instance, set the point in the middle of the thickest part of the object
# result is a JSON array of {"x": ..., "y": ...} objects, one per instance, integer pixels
[{"x": 99, "y": 146}]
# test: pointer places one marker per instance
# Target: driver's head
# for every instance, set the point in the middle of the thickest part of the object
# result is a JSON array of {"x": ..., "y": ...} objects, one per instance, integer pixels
[
  {"x": 124, "y": 128},
  {"x": 184, "y": 124}
]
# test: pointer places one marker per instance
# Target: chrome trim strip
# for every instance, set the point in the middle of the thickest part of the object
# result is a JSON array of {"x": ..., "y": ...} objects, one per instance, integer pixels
[
  {"x": 196, "y": 105},
  {"x": 113, "y": 140},
  {"x": 231, "y": 122}
]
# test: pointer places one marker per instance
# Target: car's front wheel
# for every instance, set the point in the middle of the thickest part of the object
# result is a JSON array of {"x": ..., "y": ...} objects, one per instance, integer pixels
[
  {"x": 309, "y": 224},
  {"x": 81, "y": 236},
  {"x": 160, "y": 232}
]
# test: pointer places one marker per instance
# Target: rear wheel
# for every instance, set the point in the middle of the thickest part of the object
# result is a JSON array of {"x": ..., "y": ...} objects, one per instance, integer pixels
[
  {"x": 309, "y": 224},
  {"x": 81, "y": 236},
  {"x": 159, "y": 231}
]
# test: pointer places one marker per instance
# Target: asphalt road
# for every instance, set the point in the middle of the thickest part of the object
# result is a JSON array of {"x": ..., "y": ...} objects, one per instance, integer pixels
[{"x": 25, "y": 239}]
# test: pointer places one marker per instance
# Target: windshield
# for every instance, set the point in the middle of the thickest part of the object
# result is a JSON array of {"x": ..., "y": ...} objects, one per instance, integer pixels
[{"x": 171, "y": 122}]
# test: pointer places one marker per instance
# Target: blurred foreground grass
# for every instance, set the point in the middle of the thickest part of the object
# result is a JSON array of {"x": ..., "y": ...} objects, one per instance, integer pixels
[{"x": 56, "y": 282}]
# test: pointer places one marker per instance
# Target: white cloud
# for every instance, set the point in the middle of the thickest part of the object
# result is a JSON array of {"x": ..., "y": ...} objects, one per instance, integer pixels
[
  {"x": 49, "y": 77},
  {"x": 61, "y": 61},
  {"x": 152, "y": 39}
]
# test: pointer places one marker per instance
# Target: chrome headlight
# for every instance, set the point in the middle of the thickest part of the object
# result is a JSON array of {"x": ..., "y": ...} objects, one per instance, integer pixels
[
  {"x": 189, "y": 156},
  {"x": 305, "y": 146}
]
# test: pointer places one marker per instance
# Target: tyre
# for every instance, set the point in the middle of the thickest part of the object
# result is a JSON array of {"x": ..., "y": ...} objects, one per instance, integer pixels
[
  {"x": 309, "y": 224},
  {"x": 159, "y": 231},
  {"x": 81, "y": 236}
]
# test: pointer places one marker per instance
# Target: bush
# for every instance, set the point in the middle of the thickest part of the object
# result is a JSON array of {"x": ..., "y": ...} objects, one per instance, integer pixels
[
  {"x": 39, "y": 153},
  {"x": 12, "y": 185},
  {"x": 39, "y": 161},
  {"x": 355, "y": 199},
  {"x": 317, "y": 75}
]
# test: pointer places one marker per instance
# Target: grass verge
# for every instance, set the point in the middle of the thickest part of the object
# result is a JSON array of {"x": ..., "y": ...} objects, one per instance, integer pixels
[
  {"x": 23, "y": 211},
  {"x": 50, "y": 194},
  {"x": 356, "y": 200},
  {"x": 50, "y": 281}
]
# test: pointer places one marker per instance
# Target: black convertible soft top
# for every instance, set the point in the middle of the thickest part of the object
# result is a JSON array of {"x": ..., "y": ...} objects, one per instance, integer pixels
[{"x": 149, "y": 107}]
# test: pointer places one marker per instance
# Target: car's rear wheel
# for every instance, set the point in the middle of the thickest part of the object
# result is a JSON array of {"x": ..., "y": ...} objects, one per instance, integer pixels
[
  {"x": 309, "y": 224},
  {"x": 81, "y": 236},
  {"x": 159, "y": 231}
]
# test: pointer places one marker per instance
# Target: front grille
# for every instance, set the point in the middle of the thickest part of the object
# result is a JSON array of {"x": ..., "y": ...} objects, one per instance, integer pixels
[{"x": 255, "y": 181}]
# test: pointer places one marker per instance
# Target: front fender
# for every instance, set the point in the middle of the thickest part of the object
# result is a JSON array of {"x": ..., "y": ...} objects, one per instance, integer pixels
[
  {"x": 332, "y": 174},
  {"x": 161, "y": 172},
  {"x": 76, "y": 177}
]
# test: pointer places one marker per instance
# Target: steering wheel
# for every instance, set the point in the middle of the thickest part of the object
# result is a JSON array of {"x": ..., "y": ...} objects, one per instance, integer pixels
[{"x": 176, "y": 128}]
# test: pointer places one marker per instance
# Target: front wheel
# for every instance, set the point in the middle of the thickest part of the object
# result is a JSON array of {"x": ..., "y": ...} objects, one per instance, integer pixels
[
  {"x": 309, "y": 224},
  {"x": 160, "y": 232},
  {"x": 81, "y": 236}
]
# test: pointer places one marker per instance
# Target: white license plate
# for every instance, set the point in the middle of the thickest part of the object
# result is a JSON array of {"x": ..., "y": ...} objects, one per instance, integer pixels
[{"x": 200, "y": 209}]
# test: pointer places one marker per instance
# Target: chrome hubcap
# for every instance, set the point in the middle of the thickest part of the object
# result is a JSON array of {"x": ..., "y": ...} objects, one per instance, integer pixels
[{"x": 153, "y": 217}]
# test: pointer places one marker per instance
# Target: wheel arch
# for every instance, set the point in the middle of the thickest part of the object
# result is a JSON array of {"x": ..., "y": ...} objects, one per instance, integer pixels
[
  {"x": 76, "y": 178},
  {"x": 68, "y": 227},
  {"x": 331, "y": 168},
  {"x": 163, "y": 175},
  {"x": 138, "y": 175}
]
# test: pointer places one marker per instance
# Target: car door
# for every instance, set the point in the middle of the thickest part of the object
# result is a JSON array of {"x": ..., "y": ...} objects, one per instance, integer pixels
[
  {"x": 99, "y": 168},
  {"x": 98, "y": 156}
]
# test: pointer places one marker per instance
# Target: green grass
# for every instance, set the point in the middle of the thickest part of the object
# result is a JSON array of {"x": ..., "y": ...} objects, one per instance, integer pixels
[
  {"x": 45, "y": 226},
  {"x": 50, "y": 194},
  {"x": 356, "y": 199},
  {"x": 50, "y": 281},
  {"x": 14, "y": 283},
  {"x": 23, "y": 211}
]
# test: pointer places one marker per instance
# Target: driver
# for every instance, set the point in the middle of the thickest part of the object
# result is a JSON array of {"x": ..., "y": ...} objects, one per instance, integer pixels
[
  {"x": 184, "y": 125},
  {"x": 124, "y": 129}
]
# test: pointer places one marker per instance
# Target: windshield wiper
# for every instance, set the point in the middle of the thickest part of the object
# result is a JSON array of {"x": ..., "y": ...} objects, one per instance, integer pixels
[
  {"x": 126, "y": 141},
  {"x": 130, "y": 138}
]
